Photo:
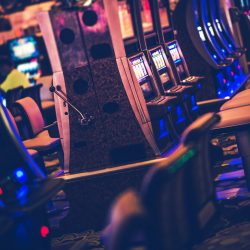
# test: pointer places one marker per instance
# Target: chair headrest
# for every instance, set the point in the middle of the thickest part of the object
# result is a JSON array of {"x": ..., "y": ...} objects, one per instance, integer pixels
[
  {"x": 200, "y": 126},
  {"x": 166, "y": 168}
]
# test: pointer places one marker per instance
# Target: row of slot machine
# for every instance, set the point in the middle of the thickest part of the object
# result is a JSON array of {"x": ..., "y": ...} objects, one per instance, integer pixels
[{"x": 123, "y": 88}]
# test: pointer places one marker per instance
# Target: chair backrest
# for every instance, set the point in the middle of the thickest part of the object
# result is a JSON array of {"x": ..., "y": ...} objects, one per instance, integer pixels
[
  {"x": 13, "y": 121},
  {"x": 200, "y": 175},
  {"x": 178, "y": 193},
  {"x": 34, "y": 93},
  {"x": 12, "y": 96},
  {"x": 165, "y": 199},
  {"x": 32, "y": 113},
  {"x": 127, "y": 223}
]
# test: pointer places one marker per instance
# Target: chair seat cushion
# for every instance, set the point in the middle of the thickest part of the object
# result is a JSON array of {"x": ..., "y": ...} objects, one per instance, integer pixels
[
  {"x": 234, "y": 117},
  {"x": 244, "y": 93},
  {"x": 43, "y": 143},
  {"x": 48, "y": 104},
  {"x": 44, "y": 133},
  {"x": 235, "y": 103},
  {"x": 32, "y": 152}
]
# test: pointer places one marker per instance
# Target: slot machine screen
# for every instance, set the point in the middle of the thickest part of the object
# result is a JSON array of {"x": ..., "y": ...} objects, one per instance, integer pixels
[
  {"x": 163, "y": 14},
  {"x": 147, "y": 20},
  {"x": 158, "y": 59},
  {"x": 125, "y": 17},
  {"x": 143, "y": 77},
  {"x": 161, "y": 68},
  {"x": 23, "y": 48},
  {"x": 174, "y": 53}
]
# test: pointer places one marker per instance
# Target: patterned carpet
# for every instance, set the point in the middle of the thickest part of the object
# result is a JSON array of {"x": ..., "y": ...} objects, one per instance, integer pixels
[
  {"x": 87, "y": 240},
  {"x": 231, "y": 230}
]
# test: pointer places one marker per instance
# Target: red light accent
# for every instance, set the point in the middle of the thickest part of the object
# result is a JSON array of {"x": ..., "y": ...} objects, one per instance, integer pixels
[
  {"x": 1, "y": 191},
  {"x": 239, "y": 67},
  {"x": 44, "y": 231},
  {"x": 232, "y": 73},
  {"x": 224, "y": 81}
]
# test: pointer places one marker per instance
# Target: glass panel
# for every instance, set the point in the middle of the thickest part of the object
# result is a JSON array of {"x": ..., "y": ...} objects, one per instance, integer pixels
[
  {"x": 125, "y": 19},
  {"x": 146, "y": 15},
  {"x": 163, "y": 14}
]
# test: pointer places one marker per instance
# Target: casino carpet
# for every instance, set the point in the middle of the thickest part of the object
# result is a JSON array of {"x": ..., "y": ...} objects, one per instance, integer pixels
[{"x": 230, "y": 231}]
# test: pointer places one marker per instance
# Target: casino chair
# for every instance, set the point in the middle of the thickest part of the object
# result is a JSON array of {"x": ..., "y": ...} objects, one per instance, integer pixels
[
  {"x": 200, "y": 174},
  {"x": 40, "y": 136},
  {"x": 163, "y": 222},
  {"x": 33, "y": 153},
  {"x": 177, "y": 198},
  {"x": 25, "y": 191},
  {"x": 185, "y": 181}
]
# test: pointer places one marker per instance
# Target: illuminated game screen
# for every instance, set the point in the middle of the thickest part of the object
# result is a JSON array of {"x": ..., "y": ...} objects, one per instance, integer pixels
[
  {"x": 142, "y": 77},
  {"x": 23, "y": 48},
  {"x": 139, "y": 69},
  {"x": 147, "y": 21},
  {"x": 158, "y": 59},
  {"x": 163, "y": 14},
  {"x": 161, "y": 68},
  {"x": 125, "y": 19},
  {"x": 174, "y": 53}
]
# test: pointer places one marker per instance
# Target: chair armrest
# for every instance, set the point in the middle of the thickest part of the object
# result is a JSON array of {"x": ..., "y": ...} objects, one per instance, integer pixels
[
  {"x": 52, "y": 129},
  {"x": 50, "y": 125},
  {"x": 212, "y": 105}
]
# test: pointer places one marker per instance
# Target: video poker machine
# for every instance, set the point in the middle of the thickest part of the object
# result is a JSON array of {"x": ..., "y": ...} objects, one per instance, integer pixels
[
  {"x": 24, "y": 193},
  {"x": 159, "y": 62},
  {"x": 206, "y": 51},
  {"x": 176, "y": 110},
  {"x": 25, "y": 55},
  {"x": 160, "y": 108}
]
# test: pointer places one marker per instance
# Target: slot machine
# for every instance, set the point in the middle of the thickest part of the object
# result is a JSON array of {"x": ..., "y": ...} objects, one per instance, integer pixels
[
  {"x": 235, "y": 74},
  {"x": 24, "y": 193},
  {"x": 102, "y": 113},
  {"x": 25, "y": 55},
  {"x": 222, "y": 31},
  {"x": 160, "y": 108},
  {"x": 244, "y": 22},
  {"x": 158, "y": 59},
  {"x": 225, "y": 39},
  {"x": 201, "y": 53}
]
